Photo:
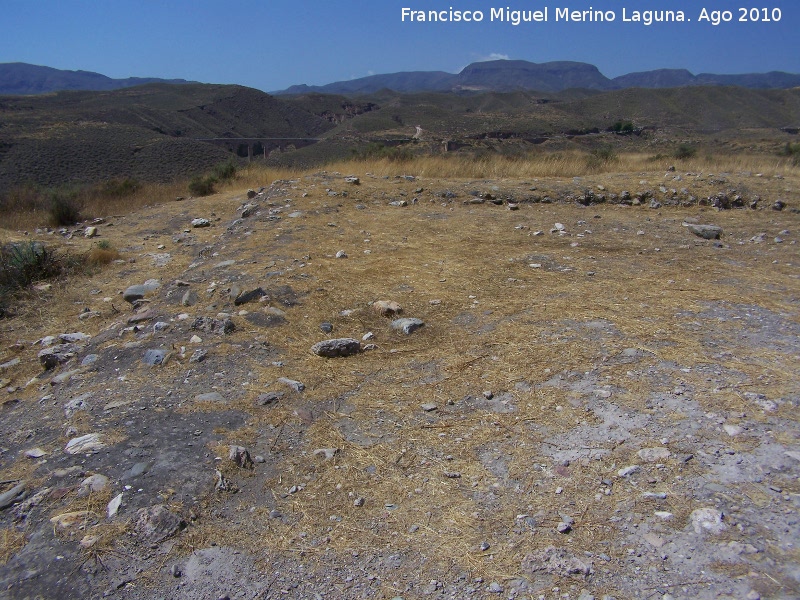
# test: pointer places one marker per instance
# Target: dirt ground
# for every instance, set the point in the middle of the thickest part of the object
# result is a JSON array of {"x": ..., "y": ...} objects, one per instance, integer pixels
[{"x": 600, "y": 404}]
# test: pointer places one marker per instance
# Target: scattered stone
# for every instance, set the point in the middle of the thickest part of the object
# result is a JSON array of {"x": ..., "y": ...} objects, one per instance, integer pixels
[
  {"x": 295, "y": 385},
  {"x": 387, "y": 308},
  {"x": 73, "y": 338},
  {"x": 556, "y": 561},
  {"x": 328, "y": 453},
  {"x": 628, "y": 471},
  {"x": 664, "y": 515},
  {"x": 14, "y": 495},
  {"x": 495, "y": 588},
  {"x": 708, "y": 520},
  {"x": 209, "y": 397},
  {"x": 248, "y": 210},
  {"x": 429, "y": 407},
  {"x": 89, "y": 443},
  {"x": 189, "y": 298},
  {"x": 218, "y": 326},
  {"x": 197, "y": 223},
  {"x": 138, "y": 292},
  {"x": 707, "y": 232},
  {"x": 11, "y": 363},
  {"x": 241, "y": 457},
  {"x": 92, "y": 485},
  {"x": 35, "y": 453},
  {"x": 198, "y": 355},
  {"x": 326, "y": 327},
  {"x": 732, "y": 430},
  {"x": 154, "y": 357},
  {"x": 407, "y": 325},
  {"x": 72, "y": 519},
  {"x": 654, "y": 455},
  {"x": 57, "y": 355},
  {"x": 251, "y": 194},
  {"x": 252, "y": 295},
  {"x": 352, "y": 179},
  {"x": 336, "y": 347},
  {"x": 360, "y": 501},
  {"x": 90, "y": 232},
  {"x": 157, "y": 523},
  {"x": 268, "y": 398},
  {"x": 341, "y": 254}
]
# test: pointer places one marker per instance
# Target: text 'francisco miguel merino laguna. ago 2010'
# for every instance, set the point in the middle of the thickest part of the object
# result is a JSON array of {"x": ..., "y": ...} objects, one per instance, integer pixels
[{"x": 558, "y": 14}]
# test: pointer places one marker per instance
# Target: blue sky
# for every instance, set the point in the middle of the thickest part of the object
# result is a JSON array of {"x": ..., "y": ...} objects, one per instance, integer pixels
[{"x": 271, "y": 44}]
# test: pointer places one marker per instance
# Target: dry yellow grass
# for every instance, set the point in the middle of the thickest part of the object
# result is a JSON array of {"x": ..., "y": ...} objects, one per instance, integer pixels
[{"x": 493, "y": 322}]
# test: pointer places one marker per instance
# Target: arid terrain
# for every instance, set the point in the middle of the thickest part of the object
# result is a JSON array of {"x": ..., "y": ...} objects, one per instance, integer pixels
[{"x": 601, "y": 402}]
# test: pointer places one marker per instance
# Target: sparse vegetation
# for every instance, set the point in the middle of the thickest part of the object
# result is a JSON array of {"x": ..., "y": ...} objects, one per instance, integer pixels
[
  {"x": 601, "y": 156},
  {"x": 685, "y": 151},
  {"x": 22, "y": 264},
  {"x": 377, "y": 151},
  {"x": 65, "y": 207},
  {"x": 622, "y": 127},
  {"x": 791, "y": 151}
]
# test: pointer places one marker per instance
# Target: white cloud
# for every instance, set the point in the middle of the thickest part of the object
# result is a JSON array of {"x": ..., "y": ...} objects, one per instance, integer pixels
[{"x": 493, "y": 56}]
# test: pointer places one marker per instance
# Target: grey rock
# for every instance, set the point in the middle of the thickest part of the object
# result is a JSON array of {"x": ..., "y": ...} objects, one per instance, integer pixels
[
  {"x": 268, "y": 398},
  {"x": 407, "y": 325},
  {"x": 654, "y": 454},
  {"x": 295, "y": 385},
  {"x": 429, "y": 407},
  {"x": 57, "y": 355},
  {"x": 352, "y": 179},
  {"x": 157, "y": 523},
  {"x": 337, "y": 347},
  {"x": 219, "y": 326},
  {"x": 241, "y": 457},
  {"x": 197, "y": 223},
  {"x": 11, "y": 363},
  {"x": 210, "y": 397},
  {"x": 629, "y": 470},
  {"x": 137, "y": 292},
  {"x": 251, "y": 296},
  {"x": 72, "y": 338},
  {"x": 189, "y": 298},
  {"x": 15, "y": 494},
  {"x": 708, "y": 520},
  {"x": 137, "y": 470},
  {"x": 198, "y": 355},
  {"x": 248, "y": 210},
  {"x": 154, "y": 356},
  {"x": 93, "y": 484},
  {"x": 91, "y": 442},
  {"x": 326, "y": 327},
  {"x": 707, "y": 232}
]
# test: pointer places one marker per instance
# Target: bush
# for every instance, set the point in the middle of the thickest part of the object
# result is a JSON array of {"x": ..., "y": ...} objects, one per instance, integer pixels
[
  {"x": 623, "y": 128},
  {"x": 791, "y": 151},
  {"x": 225, "y": 171},
  {"x": 202, "y": 186},
  {"x": 22, "y": 264},
  {"x": 685, "y": 151},
  {"x": 65, "y": 207},
  {"x": 601, "y": 156}
]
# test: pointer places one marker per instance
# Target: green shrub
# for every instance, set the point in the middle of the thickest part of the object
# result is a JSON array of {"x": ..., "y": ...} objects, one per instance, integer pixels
[
  {"x": 202, "y": 186},
  {"x": 685, "y": 151},
  {"x": 22, "y": 264},
  {"x": 600, "y": 156},
  {"x": 791, "y": 151},
  {"x": 224, "y": 171},
  {"x": 65, "y": 207},
  {"x": 622, "y": 127}
]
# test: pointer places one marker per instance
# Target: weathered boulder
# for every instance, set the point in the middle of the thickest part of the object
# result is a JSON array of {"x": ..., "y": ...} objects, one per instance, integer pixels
[
  {"x": 407, "y": 325},
  {"x": 337, "y": 347},
  {"x": 707, "y": 232}
]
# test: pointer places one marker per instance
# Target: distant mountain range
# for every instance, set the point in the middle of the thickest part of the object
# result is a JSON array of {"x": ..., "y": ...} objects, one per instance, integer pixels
[
  {"x": 494, "y": 76},
  {"x": 22, "y": 78},
  {"x": 514, "y": 75}
]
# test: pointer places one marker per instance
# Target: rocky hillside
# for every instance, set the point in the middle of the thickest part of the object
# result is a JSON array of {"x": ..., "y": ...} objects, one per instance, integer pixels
[{"x": 354, "y": 385}]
